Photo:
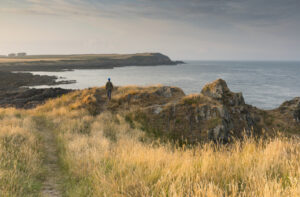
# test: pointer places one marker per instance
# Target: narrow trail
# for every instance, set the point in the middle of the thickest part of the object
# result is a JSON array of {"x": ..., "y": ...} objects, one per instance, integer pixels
[{"x": 53, "y": 179}]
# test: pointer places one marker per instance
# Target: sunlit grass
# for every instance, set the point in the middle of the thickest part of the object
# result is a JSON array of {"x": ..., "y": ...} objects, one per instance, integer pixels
[
  {"x": 20, "y": 154},
  {"x": 117, "y": 163},
  {"x": 102, "y": 155}
]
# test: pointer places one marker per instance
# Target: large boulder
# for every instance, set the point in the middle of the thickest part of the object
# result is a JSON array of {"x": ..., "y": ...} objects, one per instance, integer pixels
[{"x": 219, "y": 90}]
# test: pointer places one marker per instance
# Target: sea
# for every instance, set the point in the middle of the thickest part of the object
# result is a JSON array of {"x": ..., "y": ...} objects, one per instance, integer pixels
[{"x": 264, "y": 84}]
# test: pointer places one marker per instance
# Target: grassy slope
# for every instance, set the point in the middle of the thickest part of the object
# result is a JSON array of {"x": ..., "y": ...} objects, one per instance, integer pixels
[{"x": 104, "y": 156}]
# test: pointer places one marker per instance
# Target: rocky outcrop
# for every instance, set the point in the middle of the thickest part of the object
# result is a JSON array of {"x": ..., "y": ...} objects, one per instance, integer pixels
[
  {"x": 291, "y": 108},
  {"x": 214, "y": 114},
  {"x": 219, "y": 90},
  {"x": 235, "y": 115}
]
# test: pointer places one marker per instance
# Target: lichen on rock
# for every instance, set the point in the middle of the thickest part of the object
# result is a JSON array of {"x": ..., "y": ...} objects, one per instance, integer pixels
[{"x": 219, "y": 90}]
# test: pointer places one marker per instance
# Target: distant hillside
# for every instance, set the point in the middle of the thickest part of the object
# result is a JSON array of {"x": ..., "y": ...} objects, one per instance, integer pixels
[{"x": 85, "y": 61}]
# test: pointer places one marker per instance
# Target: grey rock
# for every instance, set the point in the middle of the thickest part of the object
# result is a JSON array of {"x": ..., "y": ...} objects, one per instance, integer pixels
[
  {"x": 164, "y": 91},
  {"x": 216, "y": 89},
  {"x": 292, "y": 107},
  {"x": 218, "y": 133},
  {"x": 157, "y": 110}
]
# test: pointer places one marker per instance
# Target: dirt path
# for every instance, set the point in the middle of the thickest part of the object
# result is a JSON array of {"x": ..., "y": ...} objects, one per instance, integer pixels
[{"x": 53, "y": 179}]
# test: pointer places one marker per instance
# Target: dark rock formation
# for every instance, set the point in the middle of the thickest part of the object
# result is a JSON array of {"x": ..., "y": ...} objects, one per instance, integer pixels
[
  {"x": 12, "y": 81},
  {"x": 291, "y": 108},
  {"x": 29, "y": 98},
  {"x": 14, "y": 94},
  {"x": 215, "y": 114},
  {"x": 235, "y": 115},
  {"x": 218, "y": 90}
]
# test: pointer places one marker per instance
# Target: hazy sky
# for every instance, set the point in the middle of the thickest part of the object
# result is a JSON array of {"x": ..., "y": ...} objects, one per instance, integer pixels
[{"x": 182, "y": 29}]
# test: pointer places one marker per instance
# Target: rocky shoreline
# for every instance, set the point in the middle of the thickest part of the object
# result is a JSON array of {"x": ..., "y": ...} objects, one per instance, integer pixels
[
  {"x": 14, "y": 91},
  {"x": 29, "y": 98},
  {"x": 11, "y": 81}
]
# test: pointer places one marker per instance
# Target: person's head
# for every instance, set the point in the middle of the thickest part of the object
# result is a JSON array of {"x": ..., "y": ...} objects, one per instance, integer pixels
[{"x": 108, "y": 79}]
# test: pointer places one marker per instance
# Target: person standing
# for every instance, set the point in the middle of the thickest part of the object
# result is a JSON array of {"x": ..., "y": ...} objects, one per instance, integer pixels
[{"x": 109, "y": 87}]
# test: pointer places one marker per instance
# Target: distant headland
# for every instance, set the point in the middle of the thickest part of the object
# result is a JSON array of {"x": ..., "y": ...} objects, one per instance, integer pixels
[{"x": 85, "y": 61}]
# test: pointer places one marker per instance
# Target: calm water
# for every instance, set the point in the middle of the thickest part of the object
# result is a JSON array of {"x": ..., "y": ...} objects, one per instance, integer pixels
[{"x": 264, "y": 84}]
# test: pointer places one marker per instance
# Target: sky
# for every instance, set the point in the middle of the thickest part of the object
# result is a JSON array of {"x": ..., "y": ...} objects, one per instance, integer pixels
[{"x": 181, "y": 29}]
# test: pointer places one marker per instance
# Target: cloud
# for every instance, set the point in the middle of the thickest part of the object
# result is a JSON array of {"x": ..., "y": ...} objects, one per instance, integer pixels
[
  {"x": 229, "y": 11},
  {"x": 255, "y": 12},
  {"x": 211, "y": 28},
  {"x": 56, "y": 8}
]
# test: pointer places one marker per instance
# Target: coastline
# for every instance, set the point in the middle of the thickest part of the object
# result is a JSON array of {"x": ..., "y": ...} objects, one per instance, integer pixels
[{"x": 15, "y": 79}]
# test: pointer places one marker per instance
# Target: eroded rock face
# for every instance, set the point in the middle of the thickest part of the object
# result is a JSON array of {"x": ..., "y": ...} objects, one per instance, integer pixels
[
  {"x": 297, "y": 115},
  {"x": 212, "y": 115},
  {"x": 165, "y": 91},
  {"x": 219, "y": 90},
  {"x": 233, "y": 112},
  {"x": 292, "y": 107},
  {"x": 215, "y": 114}
]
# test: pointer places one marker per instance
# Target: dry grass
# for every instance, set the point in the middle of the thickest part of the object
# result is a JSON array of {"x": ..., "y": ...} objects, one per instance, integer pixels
[
  {"x": 107, "y": 157},
  {"x": 103, "y": 156},
  {"x": 116, "y": 163},
  {"x": 20, "y": 154},
  {"x": 133, "y": 90},
  {"x": 197, "y": 99}
]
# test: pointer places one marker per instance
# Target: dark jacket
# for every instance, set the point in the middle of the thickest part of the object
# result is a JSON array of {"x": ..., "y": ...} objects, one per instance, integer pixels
[{"x": 109, "y": 86}]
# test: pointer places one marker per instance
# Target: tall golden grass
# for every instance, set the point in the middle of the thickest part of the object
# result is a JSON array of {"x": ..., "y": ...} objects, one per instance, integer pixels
[
  {"x": 21, "y": 168},
  {"x": 117, "y": 163},
  {"x": 103, "y": 156}
]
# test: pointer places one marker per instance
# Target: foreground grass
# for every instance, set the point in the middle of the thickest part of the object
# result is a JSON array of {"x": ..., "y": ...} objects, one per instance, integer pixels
[
  {"x": 105, "y": 163},
  {"x": 103, "y": 156},
  {"x": 21, "y": 170}
]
